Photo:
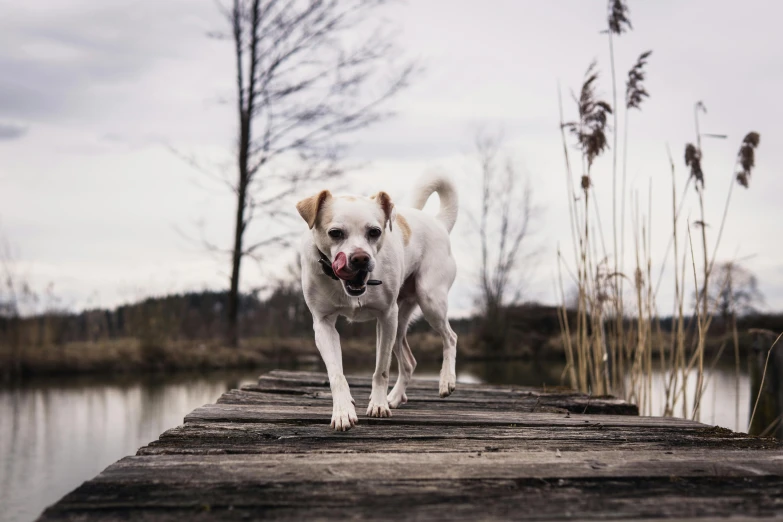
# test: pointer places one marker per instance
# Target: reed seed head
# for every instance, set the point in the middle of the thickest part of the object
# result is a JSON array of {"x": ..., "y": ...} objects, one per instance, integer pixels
[
  {"x": 693, "y": 160},
  {"x": 746, "y": 157},
  {"x": 590, "y": 130},
  {"x": 634, "y": 90},
  {"x": 618, "y": 17}
]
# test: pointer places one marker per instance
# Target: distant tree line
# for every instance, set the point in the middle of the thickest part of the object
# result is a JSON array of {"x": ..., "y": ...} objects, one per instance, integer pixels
[
  {"x": 197, "y": 316},
  {"x": 186, "y": 316},
  {"x": 200, "y": 316}
]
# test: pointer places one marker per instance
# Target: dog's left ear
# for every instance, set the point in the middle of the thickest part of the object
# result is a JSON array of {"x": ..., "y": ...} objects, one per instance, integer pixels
[{"x": 384, "y": 200}]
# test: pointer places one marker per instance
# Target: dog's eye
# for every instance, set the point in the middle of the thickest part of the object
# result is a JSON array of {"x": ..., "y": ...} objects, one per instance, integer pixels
[
  {"x": 374, "y": 233},
  {"x": 336, "y": 233}
]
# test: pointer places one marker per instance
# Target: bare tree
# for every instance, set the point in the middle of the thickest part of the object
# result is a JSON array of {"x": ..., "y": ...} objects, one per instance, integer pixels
[
  {"x": 503, "y": 227},
  {"x": 733, "y": 291},
  {"x": 17, "y": 300},
  {"x": 305, "y": 79}
]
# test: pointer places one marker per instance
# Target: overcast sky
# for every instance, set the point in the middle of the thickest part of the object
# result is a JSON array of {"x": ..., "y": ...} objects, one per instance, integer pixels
[{"x": 94, "y": 94}]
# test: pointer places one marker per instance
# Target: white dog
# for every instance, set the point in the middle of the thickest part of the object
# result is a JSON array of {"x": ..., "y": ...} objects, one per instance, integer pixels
[{"x": 408, "y": 255}]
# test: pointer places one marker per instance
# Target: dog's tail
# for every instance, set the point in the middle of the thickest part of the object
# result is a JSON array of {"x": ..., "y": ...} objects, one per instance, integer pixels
[{"x": 447, "y": 192}]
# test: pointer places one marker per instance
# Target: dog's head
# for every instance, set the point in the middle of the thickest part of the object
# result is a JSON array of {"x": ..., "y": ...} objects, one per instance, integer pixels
[{"x": 350, "y": 230}]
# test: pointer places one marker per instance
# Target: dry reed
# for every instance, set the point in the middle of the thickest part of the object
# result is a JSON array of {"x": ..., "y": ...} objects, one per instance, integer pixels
[{"x": 611, "y": 344}]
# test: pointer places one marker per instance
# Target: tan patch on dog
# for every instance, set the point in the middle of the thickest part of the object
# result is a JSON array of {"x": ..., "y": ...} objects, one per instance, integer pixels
[
  {"x": 405, "y": 228},
  {"x": 325, "y": 213},
  {"x": 310, "y": 208}
]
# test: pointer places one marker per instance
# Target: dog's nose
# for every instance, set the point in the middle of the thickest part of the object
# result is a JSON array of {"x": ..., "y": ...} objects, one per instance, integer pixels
[{"x": 360, "y": 259}]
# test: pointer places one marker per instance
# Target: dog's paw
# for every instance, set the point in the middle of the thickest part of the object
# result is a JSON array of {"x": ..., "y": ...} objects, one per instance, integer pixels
[
  {"x": 396, "y": 398},
  {"x": 344, "y": 415},
  {"x": 379, "y": 408},
  {"x": 448, "y": 382}
]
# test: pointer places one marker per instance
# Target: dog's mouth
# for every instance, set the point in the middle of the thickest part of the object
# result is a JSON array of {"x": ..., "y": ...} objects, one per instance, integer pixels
[{"x": 357, "y": 285}]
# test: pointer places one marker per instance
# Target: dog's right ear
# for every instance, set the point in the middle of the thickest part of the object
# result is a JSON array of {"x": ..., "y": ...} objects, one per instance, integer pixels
[
  {"x": 310, "y": 207},
  {"x": 384, "y": 200}
]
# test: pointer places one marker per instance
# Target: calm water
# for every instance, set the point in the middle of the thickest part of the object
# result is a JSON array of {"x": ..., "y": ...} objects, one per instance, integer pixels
[{"x": 56, "y": 434}]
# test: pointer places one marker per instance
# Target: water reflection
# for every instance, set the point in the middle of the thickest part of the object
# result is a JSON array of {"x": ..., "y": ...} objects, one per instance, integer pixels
[
  {"x": 56, "y": 434},
  {"x": 726, "y": 401},
  {"x": 53, "y": 436}
]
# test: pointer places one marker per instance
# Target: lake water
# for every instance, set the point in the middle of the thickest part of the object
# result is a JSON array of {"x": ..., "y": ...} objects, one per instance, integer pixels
[{"x": 55, "y": 434}]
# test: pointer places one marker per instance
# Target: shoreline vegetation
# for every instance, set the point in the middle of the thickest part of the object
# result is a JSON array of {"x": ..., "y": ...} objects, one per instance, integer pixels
[{"x": 535, "y": 339}]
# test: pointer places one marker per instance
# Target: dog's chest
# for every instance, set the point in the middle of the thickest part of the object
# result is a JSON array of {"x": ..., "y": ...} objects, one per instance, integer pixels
[
  {"x": 364, "y": 308},
  {"x": 359, "y": 314}
]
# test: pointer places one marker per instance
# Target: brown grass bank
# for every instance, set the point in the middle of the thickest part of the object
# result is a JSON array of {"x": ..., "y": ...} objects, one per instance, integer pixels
[{"x": 130, "y": 355}]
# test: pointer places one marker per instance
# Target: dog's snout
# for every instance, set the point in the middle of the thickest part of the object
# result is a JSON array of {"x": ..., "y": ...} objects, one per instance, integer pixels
[{"x": 360, "y": 259}]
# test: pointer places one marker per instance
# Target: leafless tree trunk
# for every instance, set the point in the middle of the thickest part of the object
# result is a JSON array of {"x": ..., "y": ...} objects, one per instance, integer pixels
[
  {"x": 305, "y": 79},
  {"x": 506, "y": 213}
]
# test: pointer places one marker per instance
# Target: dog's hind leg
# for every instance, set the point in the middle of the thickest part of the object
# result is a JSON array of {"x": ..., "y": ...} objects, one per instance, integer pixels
[
  {"x": 406, "y": 363},
  {"x": 434, "y": 304}
]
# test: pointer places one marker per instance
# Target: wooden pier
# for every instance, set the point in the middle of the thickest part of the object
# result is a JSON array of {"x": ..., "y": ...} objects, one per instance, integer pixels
[{"x": 485, "y": 453}]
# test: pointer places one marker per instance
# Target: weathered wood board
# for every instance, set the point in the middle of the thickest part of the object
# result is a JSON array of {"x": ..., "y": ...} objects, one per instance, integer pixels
[{"x": 486, "y": 453}]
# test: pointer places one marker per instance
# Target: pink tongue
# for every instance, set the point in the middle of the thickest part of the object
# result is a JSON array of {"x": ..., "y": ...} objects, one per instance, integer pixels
[{"x": 339, "y": 266}]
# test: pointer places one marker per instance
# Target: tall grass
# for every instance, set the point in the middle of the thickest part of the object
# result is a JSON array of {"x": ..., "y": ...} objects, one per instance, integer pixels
[{"x": 617, "y": 343}]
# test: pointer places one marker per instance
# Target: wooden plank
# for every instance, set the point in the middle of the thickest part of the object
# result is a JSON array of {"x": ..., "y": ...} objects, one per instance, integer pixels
[
  {"x": 328, "y": 467},
  {"x": 317, "y": 379},
  {"x": 458, "y": 500},
  {"x": 428, "y": 392},
  {"x": 524, "y": 404},
  {"x": 575, "y": 403},
  {"x": 322, "y": 414},
  {"x": 424, "y": 389},
  {"x": 217, "y": 438},
  {"x": 314, "y": 384},
  {"x": 681, "y": 484}
]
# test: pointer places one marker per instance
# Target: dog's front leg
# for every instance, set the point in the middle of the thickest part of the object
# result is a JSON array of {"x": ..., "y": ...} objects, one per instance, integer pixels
[
  {"x": 328, "y": 341},
  {"x": 387, "y": 332}
]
